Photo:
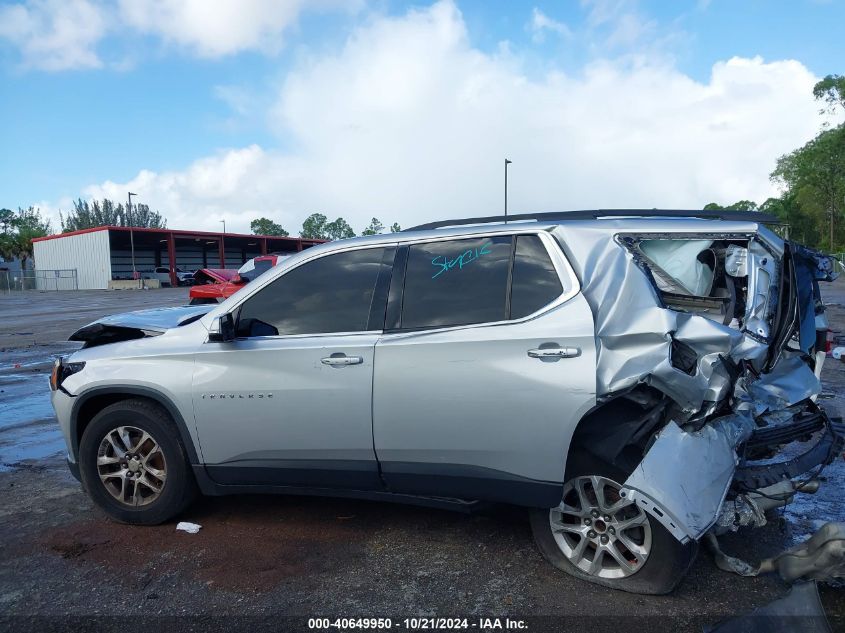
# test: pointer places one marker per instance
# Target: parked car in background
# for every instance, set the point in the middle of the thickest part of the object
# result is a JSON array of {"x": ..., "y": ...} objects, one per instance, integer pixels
[
  {"x": 162, "y": 273},
  {"x": 212, "y": 285}
]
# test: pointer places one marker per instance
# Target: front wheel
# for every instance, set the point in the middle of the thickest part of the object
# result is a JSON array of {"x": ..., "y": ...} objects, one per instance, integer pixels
[
  {"x": 133, "y": 465},
  {"x": 597, "y": 535}
]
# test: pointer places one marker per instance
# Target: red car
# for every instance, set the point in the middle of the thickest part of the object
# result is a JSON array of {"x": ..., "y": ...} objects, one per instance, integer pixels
[{"x": 212, "y": 285}]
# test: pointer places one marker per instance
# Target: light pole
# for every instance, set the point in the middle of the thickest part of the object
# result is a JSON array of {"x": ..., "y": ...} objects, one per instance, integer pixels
[
  {"x": 131, "y": 232},
  {"x": 223, "y": 245},
  {"x": 507, "y": 162}
]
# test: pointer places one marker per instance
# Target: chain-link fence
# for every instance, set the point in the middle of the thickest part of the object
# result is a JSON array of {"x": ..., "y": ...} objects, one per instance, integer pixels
[{"x": 14, "y": 281}]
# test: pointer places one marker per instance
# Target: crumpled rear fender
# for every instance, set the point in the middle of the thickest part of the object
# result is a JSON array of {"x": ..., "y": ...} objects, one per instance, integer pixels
[{"x": 685, "y": 476}]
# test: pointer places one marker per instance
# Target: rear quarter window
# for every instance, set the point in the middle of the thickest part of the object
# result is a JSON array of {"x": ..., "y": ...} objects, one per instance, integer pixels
[{"x": 535, "y": 282}]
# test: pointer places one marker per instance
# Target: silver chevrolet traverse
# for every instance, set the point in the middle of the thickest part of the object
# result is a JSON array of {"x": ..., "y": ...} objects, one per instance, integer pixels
[{"x": 630, "y": 376}]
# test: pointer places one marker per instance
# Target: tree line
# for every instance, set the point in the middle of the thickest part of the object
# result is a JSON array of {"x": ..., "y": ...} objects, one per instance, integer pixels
[
  {"x": 811, "y": 180},
  {"x": 87, "y": 215},
  {"x": 317, "y": 227},
  {"x": 18, "y": 229}
]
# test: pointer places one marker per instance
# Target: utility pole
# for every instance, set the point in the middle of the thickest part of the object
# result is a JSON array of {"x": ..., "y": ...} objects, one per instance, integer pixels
[
  {"x": 507, "y": 162},
  {"x": 131, "y": 232}
]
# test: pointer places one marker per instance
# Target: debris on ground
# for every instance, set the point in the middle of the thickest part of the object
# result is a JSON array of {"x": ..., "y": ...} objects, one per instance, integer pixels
[{"x": 190, "y": 528}]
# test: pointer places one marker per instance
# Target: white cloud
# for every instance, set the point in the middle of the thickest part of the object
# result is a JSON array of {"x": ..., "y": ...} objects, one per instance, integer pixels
[
  {"x": 54, "y": 35},
  {"x": 410, "y": 123},
  {"x": 219, "y": 28},
  {"x": 225, "y": 27},
  {"x": 540, "y": 23},
  {"x": 57, "y": 35}
]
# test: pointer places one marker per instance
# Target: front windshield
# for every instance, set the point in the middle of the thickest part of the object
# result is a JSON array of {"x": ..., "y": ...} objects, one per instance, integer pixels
[{"x": 253, "y": 269}]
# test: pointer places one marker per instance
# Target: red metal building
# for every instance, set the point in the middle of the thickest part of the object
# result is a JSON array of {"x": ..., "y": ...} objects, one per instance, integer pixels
[{"x": 103, "y": 254}]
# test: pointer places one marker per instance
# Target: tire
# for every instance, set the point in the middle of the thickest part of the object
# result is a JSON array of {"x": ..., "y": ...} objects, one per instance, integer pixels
[
  {"x": 656, "y": 562},
  {"x": 152, "y": 477}
]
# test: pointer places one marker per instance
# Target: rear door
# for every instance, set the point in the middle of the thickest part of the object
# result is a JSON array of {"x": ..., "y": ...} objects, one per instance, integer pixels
[{"x": 486, "y": 368}]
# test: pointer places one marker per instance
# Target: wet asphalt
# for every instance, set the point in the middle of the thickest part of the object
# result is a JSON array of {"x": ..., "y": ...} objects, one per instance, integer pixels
[{"x": 276, "y": 556}]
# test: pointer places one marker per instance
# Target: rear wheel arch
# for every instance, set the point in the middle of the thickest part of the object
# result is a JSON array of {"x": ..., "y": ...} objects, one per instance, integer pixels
[
  {"x": 617, "y": 431},
  {"x": 90, "y": 403}
]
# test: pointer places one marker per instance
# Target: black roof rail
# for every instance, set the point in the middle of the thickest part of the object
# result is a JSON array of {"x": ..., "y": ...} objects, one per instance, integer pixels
[{"x": 564, "y": 216}]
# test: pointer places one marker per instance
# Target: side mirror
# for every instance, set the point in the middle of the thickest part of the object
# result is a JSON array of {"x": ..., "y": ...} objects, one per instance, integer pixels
[{"x": 222, "y": 329}]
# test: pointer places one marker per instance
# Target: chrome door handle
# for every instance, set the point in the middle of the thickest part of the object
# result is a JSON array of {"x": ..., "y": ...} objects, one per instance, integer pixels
[
  {"x": 555, "y": 352},
  {"x": 341, "y": 360}
]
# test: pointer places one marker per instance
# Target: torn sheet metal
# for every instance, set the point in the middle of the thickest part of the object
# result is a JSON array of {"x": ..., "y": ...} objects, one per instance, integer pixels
[
  {"x": 790, "y": 381},
  {"x": 686, "y": 473},
  {"x": 762, "y": 286},
  {"x": 687, "y": 500},
  {"x": 634, "y": 334}
]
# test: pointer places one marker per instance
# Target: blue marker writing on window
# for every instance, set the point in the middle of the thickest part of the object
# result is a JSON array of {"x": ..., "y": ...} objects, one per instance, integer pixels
[{"x": 460, "y": 261}]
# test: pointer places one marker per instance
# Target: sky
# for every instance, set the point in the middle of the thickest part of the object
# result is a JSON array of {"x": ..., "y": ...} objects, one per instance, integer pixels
[{"x": 237, "y": 109}]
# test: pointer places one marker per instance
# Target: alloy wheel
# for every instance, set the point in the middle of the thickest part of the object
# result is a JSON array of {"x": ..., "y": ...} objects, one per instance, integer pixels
[
  {"x": 598, "y": 531},
  {"x": 131, "y": 466}
]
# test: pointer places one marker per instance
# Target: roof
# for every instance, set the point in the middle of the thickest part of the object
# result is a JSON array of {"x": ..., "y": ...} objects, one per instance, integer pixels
[
  {"x": 175, "y": 233},
  {"x": 594, "y": 214},
  {"x": 613, "y": 223}
]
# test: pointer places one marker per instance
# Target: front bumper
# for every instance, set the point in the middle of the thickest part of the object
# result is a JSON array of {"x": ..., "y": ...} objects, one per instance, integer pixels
[{"x": 63, "y": 406}]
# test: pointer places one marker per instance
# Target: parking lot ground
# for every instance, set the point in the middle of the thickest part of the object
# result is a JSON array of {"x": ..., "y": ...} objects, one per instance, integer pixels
[{"x": 308, "y": 556}]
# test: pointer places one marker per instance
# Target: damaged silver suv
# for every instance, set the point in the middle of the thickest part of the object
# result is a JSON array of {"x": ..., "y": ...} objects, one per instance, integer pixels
[{"x": 639, "y": 379}]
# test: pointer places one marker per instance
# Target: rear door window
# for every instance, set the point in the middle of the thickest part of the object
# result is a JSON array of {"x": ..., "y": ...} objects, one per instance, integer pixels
[
  {"x": 456, "y": 282},
  {"x": 535, "y": 282}
]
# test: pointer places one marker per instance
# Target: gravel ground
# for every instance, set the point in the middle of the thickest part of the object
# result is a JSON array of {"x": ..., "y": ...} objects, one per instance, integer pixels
[{"x": 295, "y": 556}]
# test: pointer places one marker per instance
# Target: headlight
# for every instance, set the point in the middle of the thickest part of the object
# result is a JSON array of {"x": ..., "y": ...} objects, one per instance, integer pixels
[
  {"x": 54, "y": 374},
  {"x": 62, "y": 370}
]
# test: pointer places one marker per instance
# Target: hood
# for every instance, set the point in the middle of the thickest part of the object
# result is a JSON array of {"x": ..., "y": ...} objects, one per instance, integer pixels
[
  {"x": 215, "y": 276},
  {"x": 140, "y": 324}
]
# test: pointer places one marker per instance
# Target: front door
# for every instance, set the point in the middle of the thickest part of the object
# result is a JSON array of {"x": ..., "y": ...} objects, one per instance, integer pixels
[{"x": 289, "y": 402}]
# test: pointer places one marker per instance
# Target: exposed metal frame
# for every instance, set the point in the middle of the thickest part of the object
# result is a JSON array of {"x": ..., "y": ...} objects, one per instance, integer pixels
[{"x": 564, "y": 216}]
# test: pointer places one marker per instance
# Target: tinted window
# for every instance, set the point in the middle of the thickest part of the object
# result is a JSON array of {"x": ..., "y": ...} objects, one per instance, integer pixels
[
  {"x": 260, "y": 266},
  {"x": 330, "y": 294},
  {"x": 456, "y": 282},
  {"x": 535, "y": 281}
]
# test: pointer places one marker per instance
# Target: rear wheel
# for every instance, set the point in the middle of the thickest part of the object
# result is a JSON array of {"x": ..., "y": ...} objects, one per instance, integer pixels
[
  {"x": 133, "y": 465},
  {"x": 597, "y": 535}
]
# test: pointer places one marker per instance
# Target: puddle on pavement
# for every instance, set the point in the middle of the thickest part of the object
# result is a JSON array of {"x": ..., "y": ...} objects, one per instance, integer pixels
[
  {"x": 30, "y": 443},
  {"x": 28, "y": 427},
  {"x": 24, "y": 401}
]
